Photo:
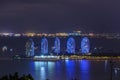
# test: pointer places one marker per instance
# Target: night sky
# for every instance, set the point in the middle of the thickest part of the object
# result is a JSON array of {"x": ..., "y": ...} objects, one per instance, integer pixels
[{"x": 51, "y": 16}]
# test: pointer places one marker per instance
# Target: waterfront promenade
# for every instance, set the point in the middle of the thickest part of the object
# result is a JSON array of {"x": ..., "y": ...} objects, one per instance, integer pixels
[
  {"x": 62, "y": 57},
  {"x": 91, "y": 57}
]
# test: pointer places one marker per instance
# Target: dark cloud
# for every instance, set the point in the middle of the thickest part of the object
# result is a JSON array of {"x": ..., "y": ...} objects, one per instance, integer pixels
[{"x": 59, "y": 15}]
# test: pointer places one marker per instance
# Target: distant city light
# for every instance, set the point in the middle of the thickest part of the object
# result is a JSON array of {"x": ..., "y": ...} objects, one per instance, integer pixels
[
  {"x": 4, "y": 48},
  {"x": 63, "y": 34}
]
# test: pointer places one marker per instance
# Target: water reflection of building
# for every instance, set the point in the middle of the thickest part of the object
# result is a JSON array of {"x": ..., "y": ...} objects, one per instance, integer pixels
[{"x": 29, "y": 48}]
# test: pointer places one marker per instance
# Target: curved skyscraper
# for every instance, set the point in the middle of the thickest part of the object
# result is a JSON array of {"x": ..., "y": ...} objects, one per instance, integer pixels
[
  {"x": 71, "y": 45},
  {"x": 29, "y": 48},
  {"x": 44, "y": 46},
  {"x": 57, "y": 45},
  {"x": 85, "y": 45}
]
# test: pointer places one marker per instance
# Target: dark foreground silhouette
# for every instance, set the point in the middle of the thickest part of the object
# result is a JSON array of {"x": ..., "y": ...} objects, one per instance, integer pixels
[
  {"x": 23, "y": 77},
  {"x": 16, "y": 77}
]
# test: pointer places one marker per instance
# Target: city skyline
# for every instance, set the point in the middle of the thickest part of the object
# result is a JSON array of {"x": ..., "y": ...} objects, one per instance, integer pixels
[{"x": 59, "y": 16}]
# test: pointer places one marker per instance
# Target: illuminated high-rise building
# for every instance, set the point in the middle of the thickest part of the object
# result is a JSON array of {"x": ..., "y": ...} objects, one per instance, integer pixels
[
  {"x": 44, "y": 46},
  {"x": 85, "y": 45},
  {"x": 29, "y": 48},
  {"x": 71, "y": 45},
  {"x": 57, "y": 45}
]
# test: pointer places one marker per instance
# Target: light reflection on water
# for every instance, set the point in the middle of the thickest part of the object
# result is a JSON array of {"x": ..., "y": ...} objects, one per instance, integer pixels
[
  {"x": 60, "y": 70},
  {"x": 84, "y": 67},
  {"x": 43, "y": 70},
  {"x": 70, "y": 69},
  {"x": 106, "y": 63},
  {"x": 40, "y": 70},
  {"x": 65, "y": 70}
]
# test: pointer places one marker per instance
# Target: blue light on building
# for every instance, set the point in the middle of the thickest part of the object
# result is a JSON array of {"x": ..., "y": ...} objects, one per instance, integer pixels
[
  {"x": 71, "y": 45},
  {"x": 85, "y": 45},
  {"x": 44, "y": 46},
  {"x": 57, "y": 45}
]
